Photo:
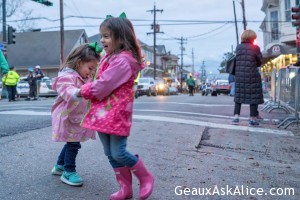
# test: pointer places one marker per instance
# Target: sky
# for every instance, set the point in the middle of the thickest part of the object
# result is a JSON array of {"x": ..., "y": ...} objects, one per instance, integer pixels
[{"x": 207, "y": 25}]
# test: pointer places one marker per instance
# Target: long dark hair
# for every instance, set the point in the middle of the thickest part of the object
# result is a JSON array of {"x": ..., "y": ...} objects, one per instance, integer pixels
[
  {"x": 82, "y": 53},
  {"x": 122, "y": 30}
]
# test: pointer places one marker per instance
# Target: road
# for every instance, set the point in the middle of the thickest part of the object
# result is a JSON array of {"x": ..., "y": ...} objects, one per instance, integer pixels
[
  {"x": 22, "y": 116},
  {"x": 187, "y": 142}
]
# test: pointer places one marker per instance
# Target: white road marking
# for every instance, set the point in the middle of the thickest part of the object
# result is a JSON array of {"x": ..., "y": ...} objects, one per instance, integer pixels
[
  {"x": 24, "y": 112},
  {"x": 189, "y": 113},
  {"x": 191, "y": 104},
  {"x": 173, "y": 120},
  {"x": 213, "y": 125}
]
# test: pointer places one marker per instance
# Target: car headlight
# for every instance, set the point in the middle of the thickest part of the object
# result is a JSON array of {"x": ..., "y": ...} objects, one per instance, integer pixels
[{"x": 161, "y": 86}]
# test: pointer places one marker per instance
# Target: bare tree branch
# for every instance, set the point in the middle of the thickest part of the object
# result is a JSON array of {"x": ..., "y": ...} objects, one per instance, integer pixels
[{"x": 15, "y": 9}]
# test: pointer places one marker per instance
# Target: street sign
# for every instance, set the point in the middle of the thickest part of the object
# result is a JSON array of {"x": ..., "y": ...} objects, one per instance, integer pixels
[{"x": 1, "y": 46}]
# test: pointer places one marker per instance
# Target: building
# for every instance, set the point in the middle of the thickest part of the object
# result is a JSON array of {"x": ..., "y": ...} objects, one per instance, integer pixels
[
  {"x": 279, "y": 36},
  {"x": 42, "y": 48}
]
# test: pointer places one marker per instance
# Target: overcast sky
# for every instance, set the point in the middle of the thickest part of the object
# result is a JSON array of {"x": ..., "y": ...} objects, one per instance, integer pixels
[{"x": 209, "y": 40}]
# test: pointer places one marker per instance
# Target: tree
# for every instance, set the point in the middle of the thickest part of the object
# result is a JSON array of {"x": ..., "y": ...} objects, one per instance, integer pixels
[
  {"x": 226, "y": 56},
  {"x": 15, "y": 10}
]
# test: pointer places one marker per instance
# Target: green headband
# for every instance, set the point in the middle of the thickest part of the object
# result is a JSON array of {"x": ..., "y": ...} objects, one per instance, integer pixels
[
  {"x": 95, "y": 47},
  {"x": 122, "y": 16}
]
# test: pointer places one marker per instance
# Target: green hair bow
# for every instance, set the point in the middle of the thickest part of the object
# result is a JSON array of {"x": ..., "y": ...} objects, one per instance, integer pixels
[
  {"x": 95, "y": 47},
  {"x": 122, "y": 16}
]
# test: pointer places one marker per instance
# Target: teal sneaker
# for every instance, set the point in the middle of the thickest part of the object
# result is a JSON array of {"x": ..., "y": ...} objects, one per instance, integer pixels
[
  {"x": 57, "y": 170},
  {"x": 71, "y": 178}
]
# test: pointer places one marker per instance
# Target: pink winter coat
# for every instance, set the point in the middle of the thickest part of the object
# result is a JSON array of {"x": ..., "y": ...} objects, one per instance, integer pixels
[
  {"x": 68, "y": 110},
  {"x": 111, "y": 109}
]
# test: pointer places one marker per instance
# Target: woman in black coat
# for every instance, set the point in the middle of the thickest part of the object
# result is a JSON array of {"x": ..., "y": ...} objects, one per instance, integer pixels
[{"x": 248, "y": 86}]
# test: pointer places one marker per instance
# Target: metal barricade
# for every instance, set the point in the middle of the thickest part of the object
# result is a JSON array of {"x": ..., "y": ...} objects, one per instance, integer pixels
[
  {"x": 274, "y": 103},
  {"x": 290, "y": 94}
]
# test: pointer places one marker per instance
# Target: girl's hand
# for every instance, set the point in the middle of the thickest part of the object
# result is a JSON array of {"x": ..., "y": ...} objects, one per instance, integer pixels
[{"x": 79, "y": 93}]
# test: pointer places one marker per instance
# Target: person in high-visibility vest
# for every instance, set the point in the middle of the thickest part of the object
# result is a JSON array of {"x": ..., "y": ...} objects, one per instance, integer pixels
[
  {"x": 136, "y": 82},
  {"x": 10, "y": 80}
]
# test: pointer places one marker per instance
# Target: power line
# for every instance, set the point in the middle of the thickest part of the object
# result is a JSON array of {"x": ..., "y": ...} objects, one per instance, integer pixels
[{"x": 144, "y": 20}]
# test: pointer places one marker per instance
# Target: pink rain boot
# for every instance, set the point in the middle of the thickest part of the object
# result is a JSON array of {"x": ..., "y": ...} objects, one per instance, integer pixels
[
  {"x": 124, "y": 178},
  {"x": 145, "y": 178}
]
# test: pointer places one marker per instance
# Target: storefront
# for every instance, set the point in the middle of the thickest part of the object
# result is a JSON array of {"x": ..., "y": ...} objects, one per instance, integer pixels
[{"x": 278, "y": 56}]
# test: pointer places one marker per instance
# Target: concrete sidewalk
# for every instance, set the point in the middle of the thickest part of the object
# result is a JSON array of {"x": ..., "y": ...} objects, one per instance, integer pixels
[{"x": 189, "y": 156}]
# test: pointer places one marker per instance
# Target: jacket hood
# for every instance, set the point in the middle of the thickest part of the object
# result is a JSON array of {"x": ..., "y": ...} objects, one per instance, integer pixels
[{"x": 66, "y": 71}]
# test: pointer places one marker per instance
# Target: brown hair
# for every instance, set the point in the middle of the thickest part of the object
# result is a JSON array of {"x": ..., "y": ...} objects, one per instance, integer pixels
[
  {"x": 82, "y": 53},
  {"x": 122, "y": 30},
  {"x": 248, "y": 36}
]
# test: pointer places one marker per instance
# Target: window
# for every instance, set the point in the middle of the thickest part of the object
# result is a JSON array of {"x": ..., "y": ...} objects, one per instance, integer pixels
[
  {"x": 274, "y": 26},
  {"x": 287, "y": 5},
  {"x": 297, "y": 2}
]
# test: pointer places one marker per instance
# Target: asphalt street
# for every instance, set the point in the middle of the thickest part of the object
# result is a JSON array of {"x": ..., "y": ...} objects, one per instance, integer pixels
[{"x": 187, "y": 143}]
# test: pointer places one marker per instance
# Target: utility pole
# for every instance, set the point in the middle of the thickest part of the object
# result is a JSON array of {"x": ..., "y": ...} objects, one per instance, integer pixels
[
  {"x": 62, "y": 39},
  {"x": 202, "y": 70},
  {"x": 4, "y": 20},
  {"x": 236, "y": 27},
  {"x": 193, "y": 67},
  {"x": 4, "y": 26},
  {"x": 181, "y": 55},
  {"x": 155, "y": 30},
  {"x": 244, "y": 15}
]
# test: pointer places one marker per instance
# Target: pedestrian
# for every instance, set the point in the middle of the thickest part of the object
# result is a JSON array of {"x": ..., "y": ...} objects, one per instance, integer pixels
[
  {"x": 248, "y": 89},
  {"x": 39, "y": 76},
  {"x": 38, "y": 72},
  {"x": 4, "y": 69},
  {"x": 32, "y": 81},
  {"x": 191, "y": 84},
  {"x": 68, "y": 110},
  {"x": 10, "y": 80},
  {"x": 3, "y": 64},
  {"x": 232, "y": 84},
  {"x": 112, "y": 97}
]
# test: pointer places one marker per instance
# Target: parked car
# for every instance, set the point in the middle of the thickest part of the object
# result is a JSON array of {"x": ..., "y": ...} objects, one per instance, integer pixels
[
  {"x": 172, "y": 82},
  {"x": 222, "y": 86},
  {"x": 162, "y": 87},
  {"x": 173, "y": 90},
  {"x": 146, "y": 86},
  {"x": 44, "y": 90}
]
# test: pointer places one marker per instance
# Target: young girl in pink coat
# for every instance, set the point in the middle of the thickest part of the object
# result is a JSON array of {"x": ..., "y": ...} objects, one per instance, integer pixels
[
  {"x": 112, "y": 96},
  {"x": 68, "y": 110}
]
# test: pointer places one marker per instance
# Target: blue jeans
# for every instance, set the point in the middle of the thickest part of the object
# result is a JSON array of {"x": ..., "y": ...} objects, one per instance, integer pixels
[
  {"x": 115, "y": 149},
  {"x": 232, "y": 89},
  {"x": 67, "y": 156}
]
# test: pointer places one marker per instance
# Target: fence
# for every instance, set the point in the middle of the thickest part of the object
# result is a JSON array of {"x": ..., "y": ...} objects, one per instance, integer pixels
[{"x": 285, "y": 92}]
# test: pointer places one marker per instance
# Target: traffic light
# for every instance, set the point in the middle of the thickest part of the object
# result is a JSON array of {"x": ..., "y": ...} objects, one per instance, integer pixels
[
  {"x": 45, "y": 2},
  {"x": 11, "y": 39},
  {"x": 296, "y": 16}
]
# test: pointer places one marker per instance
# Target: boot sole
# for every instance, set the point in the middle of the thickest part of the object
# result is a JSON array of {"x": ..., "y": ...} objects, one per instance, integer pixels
[{"x": 129, "y": 197}]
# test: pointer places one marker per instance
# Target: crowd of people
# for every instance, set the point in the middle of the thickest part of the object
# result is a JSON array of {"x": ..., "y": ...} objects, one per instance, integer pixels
[{"x": 11, "y": 78}]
